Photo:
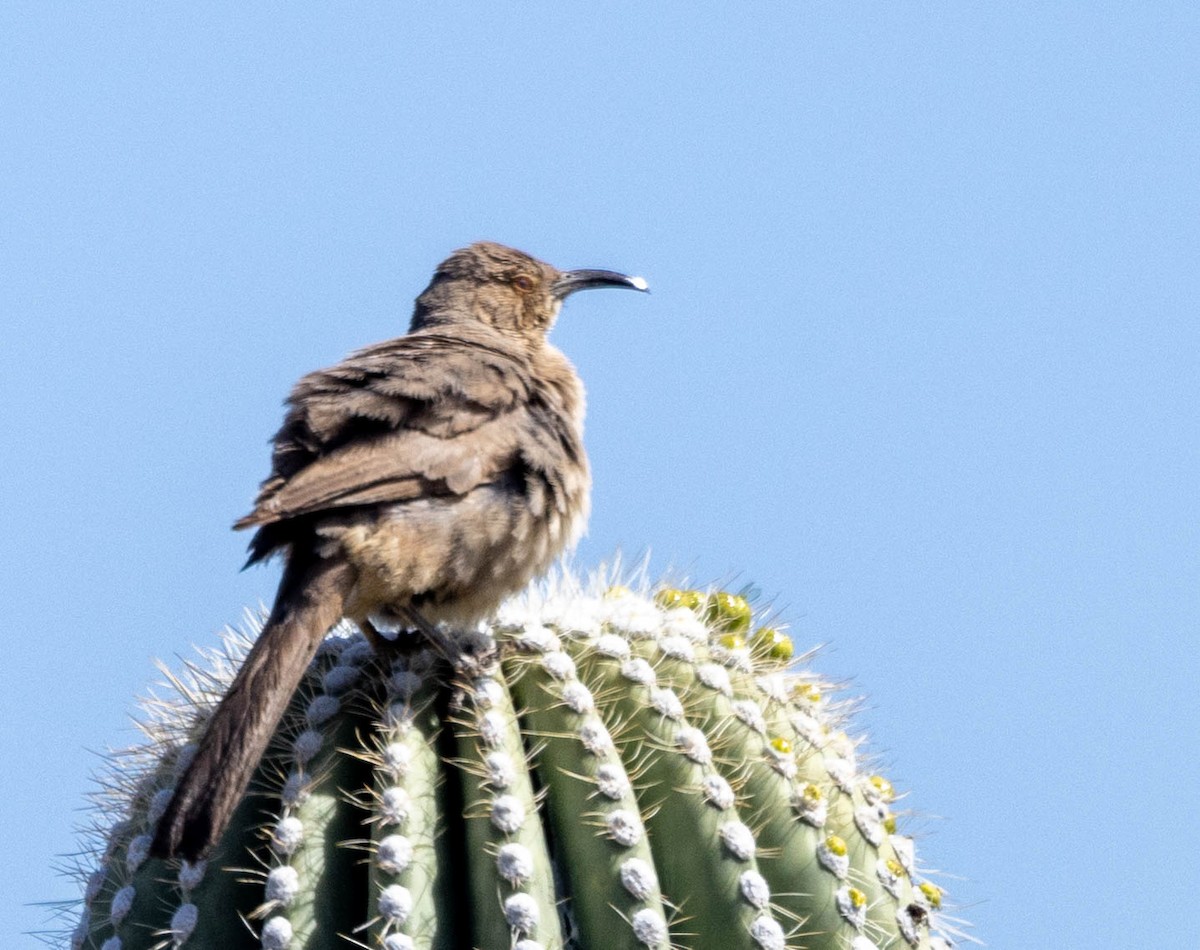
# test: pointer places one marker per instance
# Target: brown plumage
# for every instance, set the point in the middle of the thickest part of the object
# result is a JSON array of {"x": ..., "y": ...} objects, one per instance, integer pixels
[{"x": 427, "y": 477}]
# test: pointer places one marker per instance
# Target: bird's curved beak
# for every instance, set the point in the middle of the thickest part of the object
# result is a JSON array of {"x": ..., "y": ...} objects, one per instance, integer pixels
[{"x": 570, "y": 281}]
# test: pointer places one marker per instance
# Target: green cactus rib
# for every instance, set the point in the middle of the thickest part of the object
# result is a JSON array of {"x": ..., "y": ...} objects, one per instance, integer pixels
[
  {"x": 596, "y": 826},
  {"x": 727, "y": 707},
  {"x": 512, "y": 888},
  {"x": 622, "y": 773},
  {"x": 411, "y": 859},
  {"x": 673, "y": 769}
]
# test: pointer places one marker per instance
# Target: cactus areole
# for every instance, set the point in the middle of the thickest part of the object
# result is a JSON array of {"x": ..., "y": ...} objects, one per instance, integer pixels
[{"x": 633, "y": 769}]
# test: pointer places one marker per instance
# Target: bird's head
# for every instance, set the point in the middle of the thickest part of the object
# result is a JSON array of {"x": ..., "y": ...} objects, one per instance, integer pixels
[{"x": 505, "y": 288}]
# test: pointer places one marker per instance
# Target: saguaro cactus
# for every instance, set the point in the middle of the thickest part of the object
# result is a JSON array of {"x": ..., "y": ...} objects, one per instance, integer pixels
[{"x": 623, "y": 769}]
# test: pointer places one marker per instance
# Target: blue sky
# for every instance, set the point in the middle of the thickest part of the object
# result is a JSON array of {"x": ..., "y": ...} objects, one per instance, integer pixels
[{"x": 920, "y": 362}]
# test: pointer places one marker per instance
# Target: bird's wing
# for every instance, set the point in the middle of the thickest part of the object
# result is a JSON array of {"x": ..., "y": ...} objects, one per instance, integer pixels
[{"x": 422, "y": 415}]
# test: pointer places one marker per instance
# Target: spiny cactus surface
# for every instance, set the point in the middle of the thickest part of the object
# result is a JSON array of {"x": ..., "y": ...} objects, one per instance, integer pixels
[{"x": 621, "y": 770}]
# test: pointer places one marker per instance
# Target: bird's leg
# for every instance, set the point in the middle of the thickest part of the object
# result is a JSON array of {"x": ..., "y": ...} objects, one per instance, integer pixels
[
  {"x": 462, "y": 659},
  {"x": 443, "y": 645},
  {"x": 379, "y": 643},
  {"x": 466, "y": 665}
]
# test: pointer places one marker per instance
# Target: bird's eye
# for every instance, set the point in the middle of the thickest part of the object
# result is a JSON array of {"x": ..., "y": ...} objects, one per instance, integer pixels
[{"x": 523, "y": 283}]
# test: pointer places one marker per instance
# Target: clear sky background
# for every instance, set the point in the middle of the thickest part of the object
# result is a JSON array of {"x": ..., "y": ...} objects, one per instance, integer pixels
[{"x": 920, "y": 362}]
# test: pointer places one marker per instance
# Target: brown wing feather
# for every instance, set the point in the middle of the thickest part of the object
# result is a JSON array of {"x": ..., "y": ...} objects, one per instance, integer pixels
[
  {"x": 395, "y": 467},
  {"x": 385, "y": 425}
]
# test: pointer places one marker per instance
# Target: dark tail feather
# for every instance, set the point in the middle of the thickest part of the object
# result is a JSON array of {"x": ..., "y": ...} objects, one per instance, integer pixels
[{"x": 310, "y": 600}]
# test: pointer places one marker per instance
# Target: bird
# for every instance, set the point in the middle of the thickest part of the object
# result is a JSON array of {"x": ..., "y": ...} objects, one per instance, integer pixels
[{"x": 424, "y": 478}]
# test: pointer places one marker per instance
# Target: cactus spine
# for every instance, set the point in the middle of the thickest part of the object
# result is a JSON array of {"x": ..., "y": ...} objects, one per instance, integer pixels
[{"x": 626, "y": 771}]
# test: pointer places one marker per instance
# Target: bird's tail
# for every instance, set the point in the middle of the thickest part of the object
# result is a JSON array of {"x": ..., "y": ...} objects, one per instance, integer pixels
[{"x": 310, "y": 601}]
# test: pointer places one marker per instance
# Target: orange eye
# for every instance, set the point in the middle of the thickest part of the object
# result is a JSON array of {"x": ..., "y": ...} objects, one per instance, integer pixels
[{"x": 523, "y": 283}]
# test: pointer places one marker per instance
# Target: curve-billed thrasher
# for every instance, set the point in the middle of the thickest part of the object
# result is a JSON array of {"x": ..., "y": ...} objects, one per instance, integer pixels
[{"x": 427, "y": 478}]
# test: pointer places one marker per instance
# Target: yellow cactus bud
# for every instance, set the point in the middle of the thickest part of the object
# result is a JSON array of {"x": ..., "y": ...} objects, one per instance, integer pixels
[
  {"x": 669, "y": 597},
  {"x": 730, "y": 611},
  {"x": 836, "y": 846},
  {"x": 774, "y": 643},
  {"x": 806, "y": 692}
]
